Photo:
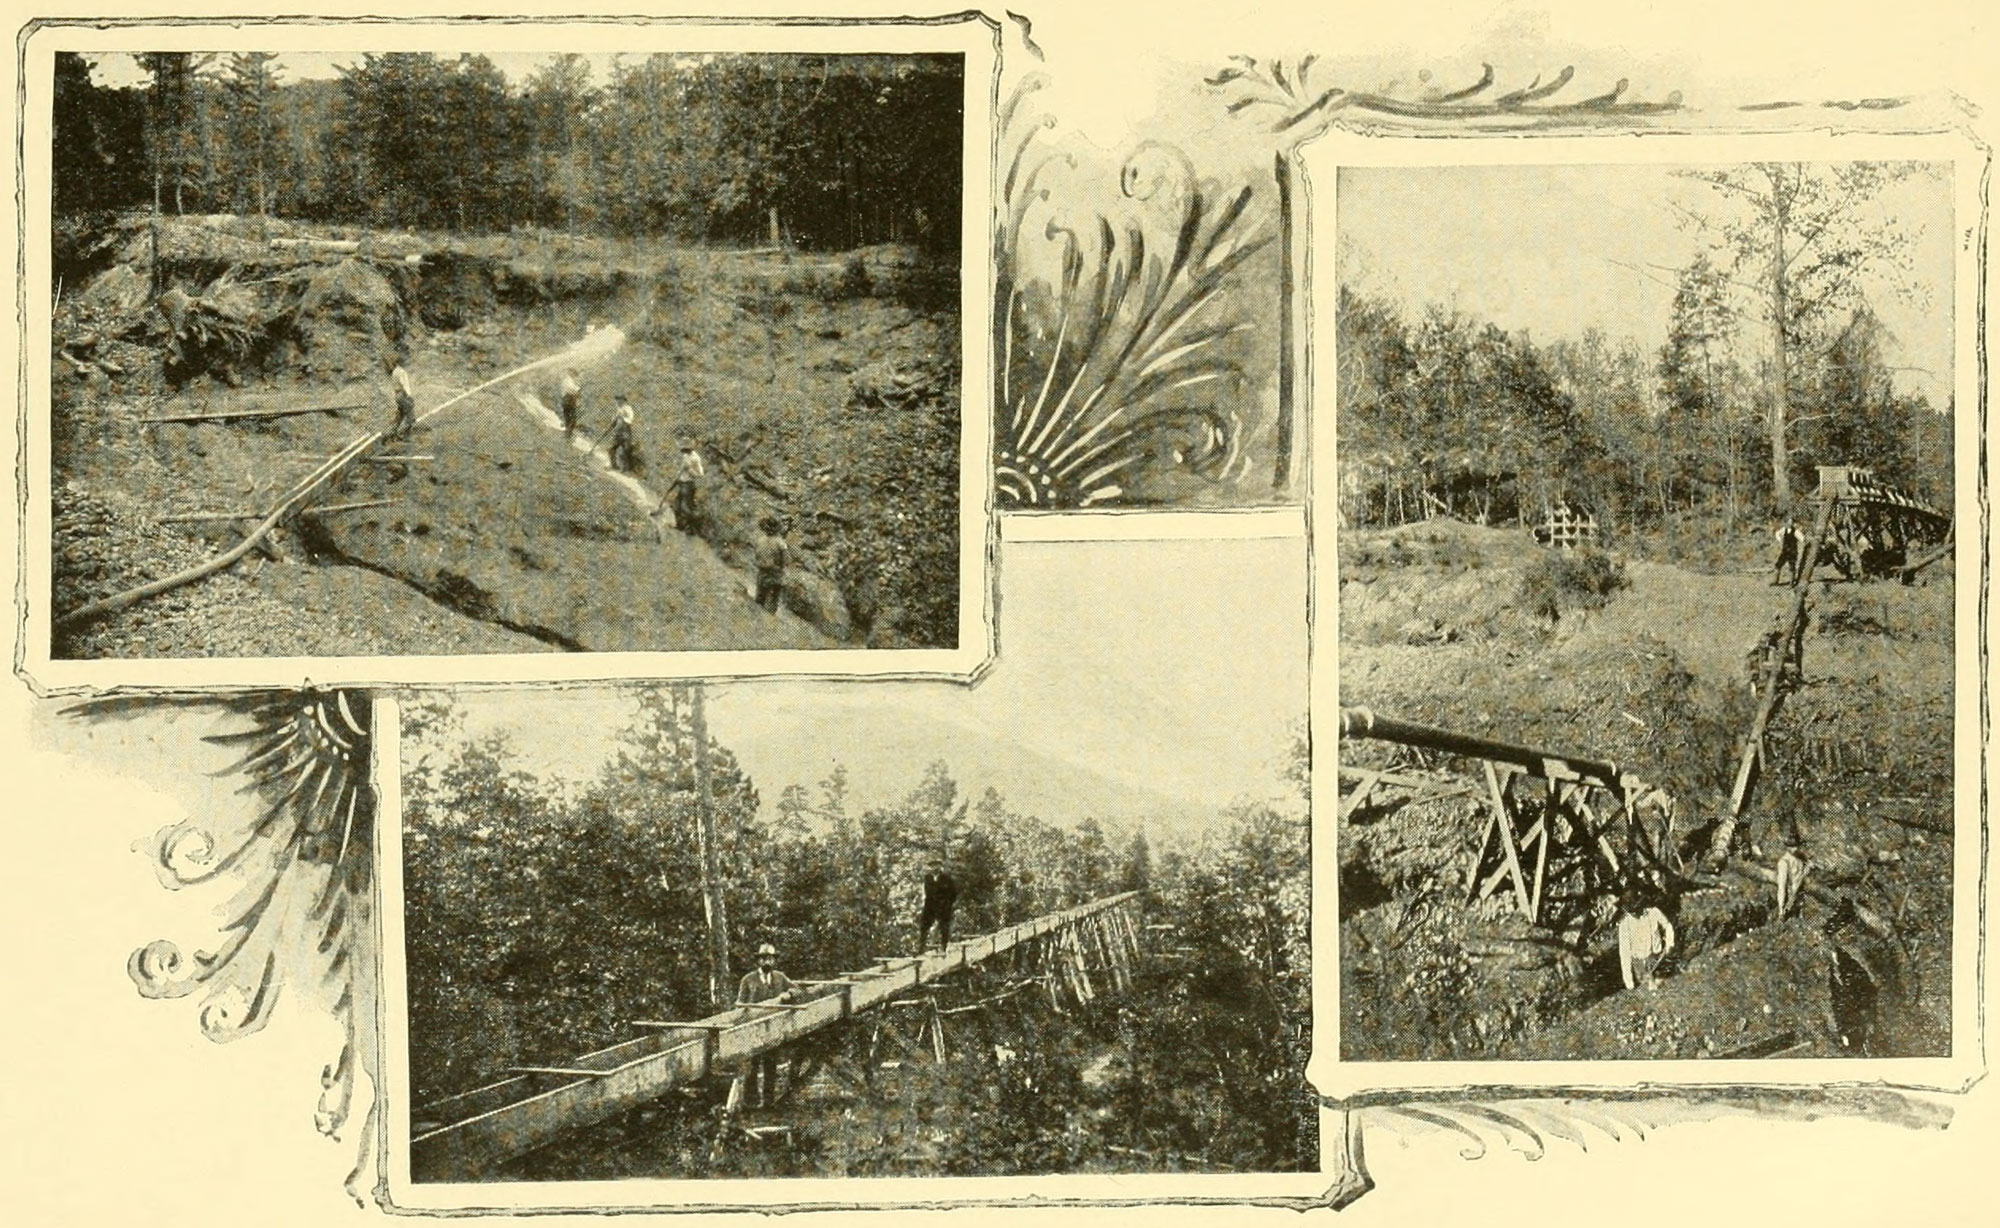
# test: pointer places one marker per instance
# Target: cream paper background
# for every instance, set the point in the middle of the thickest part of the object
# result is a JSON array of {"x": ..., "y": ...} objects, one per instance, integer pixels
[{"x": 116, "y": 1110}]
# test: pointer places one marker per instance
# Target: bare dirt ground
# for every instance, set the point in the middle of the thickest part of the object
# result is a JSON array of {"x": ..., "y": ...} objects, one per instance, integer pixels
[
  {"x": 497, "y": 536},
  {"x": 1859, "y": 765}
]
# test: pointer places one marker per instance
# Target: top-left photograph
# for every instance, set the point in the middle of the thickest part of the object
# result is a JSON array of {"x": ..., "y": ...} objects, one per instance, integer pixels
[{"x": 663, "y": 356}]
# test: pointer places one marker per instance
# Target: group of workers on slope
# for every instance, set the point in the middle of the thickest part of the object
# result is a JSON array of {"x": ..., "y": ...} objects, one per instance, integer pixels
[
  {"x": 768, "y": 547},
  {"x": 767, "y": 984},
  {"x": 769, "y": 550}
]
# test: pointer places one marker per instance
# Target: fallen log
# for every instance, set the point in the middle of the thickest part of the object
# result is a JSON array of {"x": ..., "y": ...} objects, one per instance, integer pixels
[
  {"x": 1766, "y": 1046},
  {"x": 751, "y": 479},
  {"x": 382, "y": 458},
  {"x": 345, "y": 246},
  {"x": 1936, "y": 829},
  {"x": 230, "y": 415}
]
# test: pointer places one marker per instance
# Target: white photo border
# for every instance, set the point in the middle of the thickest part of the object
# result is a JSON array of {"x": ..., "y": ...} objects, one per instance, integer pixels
[
  {"x": 1356, "y": 1083},
  {"x": 975, "y": 34}
]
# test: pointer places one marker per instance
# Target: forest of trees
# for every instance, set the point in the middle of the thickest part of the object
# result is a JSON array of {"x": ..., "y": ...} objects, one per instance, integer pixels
[
  {"x": 541, "y": 918},
  {"x": 1774, "y": 361},
  {"x": 836, "y": 151}
]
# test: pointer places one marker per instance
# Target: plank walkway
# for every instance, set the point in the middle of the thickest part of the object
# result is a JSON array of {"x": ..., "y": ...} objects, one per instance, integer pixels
[{"x": 465, "y": 1137}]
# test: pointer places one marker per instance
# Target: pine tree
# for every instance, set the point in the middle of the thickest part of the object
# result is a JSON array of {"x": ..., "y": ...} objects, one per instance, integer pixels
[{"x": 252, "y": 120}]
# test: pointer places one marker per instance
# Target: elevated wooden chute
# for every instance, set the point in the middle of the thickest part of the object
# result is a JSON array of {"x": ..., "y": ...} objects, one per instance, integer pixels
[
  {"x": 1873, "y": 528},
  {"x": 1082, "y": 951},
  {"x": 1857, "y": 516}
]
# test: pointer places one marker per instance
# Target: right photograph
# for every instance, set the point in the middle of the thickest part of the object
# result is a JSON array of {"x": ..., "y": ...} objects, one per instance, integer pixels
[{"x": 1648, "y": 614}]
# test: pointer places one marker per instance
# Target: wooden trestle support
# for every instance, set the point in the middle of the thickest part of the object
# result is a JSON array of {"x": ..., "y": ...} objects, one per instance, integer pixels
[
  {"x": 1077, "y": 953},
  {"x": 1559, "y": 832}
]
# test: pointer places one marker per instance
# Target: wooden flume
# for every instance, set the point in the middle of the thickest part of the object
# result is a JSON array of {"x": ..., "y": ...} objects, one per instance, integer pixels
[
  {"x": 466, "y": 1136},
  {"x": 1520, "y": 837},
  {"x": 1583, "y": 831}
]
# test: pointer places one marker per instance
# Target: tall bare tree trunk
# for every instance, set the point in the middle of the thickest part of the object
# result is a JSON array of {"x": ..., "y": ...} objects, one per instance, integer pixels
[
  {"x": 711, "y": 855},
  {"x": 153, "y": 104},
  {"x": 1781, "y": 480}
]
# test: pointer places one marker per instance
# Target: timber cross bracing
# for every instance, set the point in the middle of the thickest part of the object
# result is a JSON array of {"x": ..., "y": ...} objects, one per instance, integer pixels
[
  {"x": 1588, "y": 828},
  {"x": 466, "y": 1136}
]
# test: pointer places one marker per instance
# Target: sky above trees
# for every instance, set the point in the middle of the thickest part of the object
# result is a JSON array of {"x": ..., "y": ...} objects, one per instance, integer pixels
[
  {"x": 1556, "y": 250},
  {"x": 1141, "y": 669}
]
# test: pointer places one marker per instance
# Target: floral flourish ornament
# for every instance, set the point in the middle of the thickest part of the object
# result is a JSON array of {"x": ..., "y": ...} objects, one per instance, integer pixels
[
  {"x": 1113, "y": 344},
  {"x": 302, "y": 857}
]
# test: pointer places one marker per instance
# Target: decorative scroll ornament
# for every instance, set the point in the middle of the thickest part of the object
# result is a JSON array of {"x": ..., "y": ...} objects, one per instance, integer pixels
[
  {"x": 1527, "y": 1126},
  {"x": 1298, "y": 103},
  {"x": 302, "y": 858},
  {"x": 1115, "y": 335}
]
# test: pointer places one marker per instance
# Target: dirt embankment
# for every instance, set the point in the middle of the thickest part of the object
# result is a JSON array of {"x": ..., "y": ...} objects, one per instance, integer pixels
[
  {"x": 1857, "y": 772},
  {"x": 505, "y": 535}
]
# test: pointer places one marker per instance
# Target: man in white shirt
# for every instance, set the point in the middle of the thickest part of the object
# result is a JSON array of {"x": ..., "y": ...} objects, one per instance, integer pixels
[
  {"x": 1645, "y": 936},
  {"x": 687, "y": 478},
  {"x": 406, "y": 397}
]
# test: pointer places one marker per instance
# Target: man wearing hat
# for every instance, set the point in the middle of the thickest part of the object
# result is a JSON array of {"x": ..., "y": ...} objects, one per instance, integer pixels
[{"x": 766, "y": 984}]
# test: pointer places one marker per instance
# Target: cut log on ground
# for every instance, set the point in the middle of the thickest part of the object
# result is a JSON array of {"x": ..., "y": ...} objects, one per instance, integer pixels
[{"x": 231, "y": 415}]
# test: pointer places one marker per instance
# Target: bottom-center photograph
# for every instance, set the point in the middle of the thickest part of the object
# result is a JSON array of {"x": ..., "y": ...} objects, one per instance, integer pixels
[{"x": 1054, "y": 922}]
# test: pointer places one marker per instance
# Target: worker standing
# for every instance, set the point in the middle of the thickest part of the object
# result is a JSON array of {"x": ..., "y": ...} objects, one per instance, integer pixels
[
  {"x": 405, "y": 394},
  {"x": 1786, "y": 569},
  {"x": 1645, "y": 936},
  {"x": 621, "y": 437},
  {"x": 940, "y": 899},
  {"x": 765, "y": 984},
  {"x": 572, "y": 402},
  {"x": 771, "y": 554},
  {"x": 688, "y": 474}
]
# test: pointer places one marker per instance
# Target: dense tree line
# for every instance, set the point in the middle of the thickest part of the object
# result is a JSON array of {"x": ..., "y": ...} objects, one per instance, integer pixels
[
  {"x": 1445, "y": 414},
  {"x": 542, "y": 918},
  {"x": 1773, "y": 362},
  {"x": 833, "y": 151}
]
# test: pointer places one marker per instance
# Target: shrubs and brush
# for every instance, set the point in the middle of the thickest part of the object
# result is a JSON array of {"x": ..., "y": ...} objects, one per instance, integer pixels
[{"x": 1562, "y": 581}]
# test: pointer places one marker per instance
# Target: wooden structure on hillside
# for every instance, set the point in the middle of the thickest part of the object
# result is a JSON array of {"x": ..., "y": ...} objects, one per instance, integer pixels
[
  {"x": 1567, "y": 527},
  {"x": 1559, "y": 833},
  {"x": 467, "y": 1136},
  {"x": 1873, "y": 528}
]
